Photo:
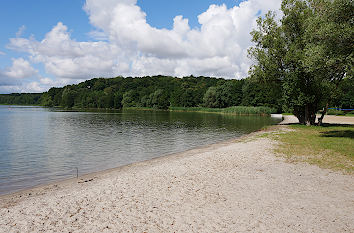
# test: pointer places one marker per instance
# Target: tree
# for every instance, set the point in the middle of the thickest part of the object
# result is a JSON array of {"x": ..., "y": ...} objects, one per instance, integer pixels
[
  {"x": 46, "y": 100},
  {"x": 129, "y": 99},
  {"x": 258, "y": 93},
  {"x": 297, "y": 57},
  {"x": 160, "y": 99},
  {"x": 68, "y": 97},
  {"x": 329, "y": 50},
  {"x": 210, "y": 98}
]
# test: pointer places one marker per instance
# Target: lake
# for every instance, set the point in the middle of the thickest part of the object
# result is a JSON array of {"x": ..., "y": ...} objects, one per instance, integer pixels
[{"x": 40, "y": 145}]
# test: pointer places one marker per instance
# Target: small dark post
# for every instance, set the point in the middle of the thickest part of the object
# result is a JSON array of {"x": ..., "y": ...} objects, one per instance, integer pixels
[{"x": 77, "y": 173}]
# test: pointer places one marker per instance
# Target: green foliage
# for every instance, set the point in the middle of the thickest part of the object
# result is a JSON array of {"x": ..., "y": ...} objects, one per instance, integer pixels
[
  {"x": 211, "y": 98},
  {"x": 335, "y": 112},
  {"x": 159, "y": 99},
  {"x": 130, "y": 99},
  {"x": 259, "y": 93},
  {"x": 306, "y": 55},
  {"x": 343, "y": 97},
  {"x": 46, "y": 100},
  {"x": 161, "y": 92},
  {"x": 68, "y": 97},
  {"x": 237, "y": 110},
  {"x": 250, "y": 110},
  {"x": 222, "y": 96},
  {"x": 21, "y": 99}
]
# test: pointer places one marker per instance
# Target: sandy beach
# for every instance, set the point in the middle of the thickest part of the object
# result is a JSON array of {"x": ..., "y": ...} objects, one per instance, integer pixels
[
  {"x": 235, "y": 186},
  {"x": 328, "y": 119}
]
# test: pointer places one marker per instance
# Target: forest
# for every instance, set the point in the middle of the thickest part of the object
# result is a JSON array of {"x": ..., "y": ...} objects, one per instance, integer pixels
[{"x": 163, "y": 92}]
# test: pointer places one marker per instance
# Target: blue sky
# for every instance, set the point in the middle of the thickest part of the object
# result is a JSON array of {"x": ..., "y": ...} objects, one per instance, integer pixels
[{"x": 141, "y": 47}]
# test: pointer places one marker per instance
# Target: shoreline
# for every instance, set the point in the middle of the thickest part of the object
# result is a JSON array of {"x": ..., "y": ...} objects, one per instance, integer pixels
[
  {"x": 235, "y": 185},
  {"x": 161, "y": 158},
  {"x": 286, "y": 119}
]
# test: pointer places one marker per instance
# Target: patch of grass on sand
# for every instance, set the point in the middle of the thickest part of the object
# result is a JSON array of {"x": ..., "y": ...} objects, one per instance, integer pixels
[{"x": 328, "y": 147}]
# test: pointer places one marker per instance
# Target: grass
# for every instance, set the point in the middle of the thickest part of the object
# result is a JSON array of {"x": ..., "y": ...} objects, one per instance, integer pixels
[
  {"x": 237, "y": 110},
  {"x": 335, "y": 112},
  {"x": 328, "y": 147}
]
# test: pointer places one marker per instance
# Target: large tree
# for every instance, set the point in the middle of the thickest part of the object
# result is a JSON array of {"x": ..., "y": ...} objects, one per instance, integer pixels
[{"x": 306, "y": 53}]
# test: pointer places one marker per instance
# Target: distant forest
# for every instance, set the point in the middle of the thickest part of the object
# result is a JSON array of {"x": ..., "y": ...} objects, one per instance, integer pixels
[{"x": 162, "y": 92}]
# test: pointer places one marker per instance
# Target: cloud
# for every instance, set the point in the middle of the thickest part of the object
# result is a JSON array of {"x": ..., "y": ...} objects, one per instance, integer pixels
[
  {"x": 16, "y": 78},
  {"x": 2, "y": 53},
  {"x": 29, "y": 86},
  {"x": 129, "y": 46},
  {"x": 97, "y": 35},
  {"x": 20, "y": 68},
  {"x": 66, "y": 58},
  {"x": 32, "y": 87},
  {"x": 20, "y": 31}
]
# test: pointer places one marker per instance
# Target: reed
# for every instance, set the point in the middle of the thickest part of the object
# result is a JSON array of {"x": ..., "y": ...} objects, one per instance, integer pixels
[{"x": 237, "y": 110}]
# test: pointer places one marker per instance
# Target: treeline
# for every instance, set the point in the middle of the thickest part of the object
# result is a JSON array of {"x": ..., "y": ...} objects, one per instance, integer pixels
[
  {"x": 163, "y": 92},
  {"x": 21, "y": 99}
]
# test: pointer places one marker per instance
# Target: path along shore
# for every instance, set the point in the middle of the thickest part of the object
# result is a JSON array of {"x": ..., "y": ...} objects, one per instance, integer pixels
[{"x": 234, "y": 186}]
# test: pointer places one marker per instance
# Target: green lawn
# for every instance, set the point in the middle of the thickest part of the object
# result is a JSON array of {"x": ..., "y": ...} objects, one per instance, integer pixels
[{"x": 328, "y": 147}]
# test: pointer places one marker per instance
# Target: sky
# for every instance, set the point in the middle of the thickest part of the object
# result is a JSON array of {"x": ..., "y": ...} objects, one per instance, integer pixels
[{"x": 55, "y": 43}]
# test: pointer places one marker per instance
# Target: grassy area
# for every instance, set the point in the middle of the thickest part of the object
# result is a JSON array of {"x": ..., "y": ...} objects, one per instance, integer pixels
[
  {"x": 335, "y": 112},
  {"x": 237, "y": 110},
  {"x": 328, "y": 147}
]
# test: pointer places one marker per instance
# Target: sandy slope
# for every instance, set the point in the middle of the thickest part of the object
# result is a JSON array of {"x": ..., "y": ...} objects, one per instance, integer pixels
[{"x": 234, "y": 186}]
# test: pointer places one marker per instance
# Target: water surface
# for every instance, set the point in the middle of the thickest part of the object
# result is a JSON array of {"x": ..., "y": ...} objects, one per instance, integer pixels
[{"x": 40, "y": 145}]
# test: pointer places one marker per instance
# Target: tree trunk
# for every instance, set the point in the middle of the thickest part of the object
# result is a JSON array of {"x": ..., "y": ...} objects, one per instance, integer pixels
[
  {"x": 299, "y": 113},
  {"x": 320, "y": 120},
  {"x": 307, "y": 115}
]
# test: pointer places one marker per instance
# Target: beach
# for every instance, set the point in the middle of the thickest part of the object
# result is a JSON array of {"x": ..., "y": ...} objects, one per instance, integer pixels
[{"x": 235, "y": 186}]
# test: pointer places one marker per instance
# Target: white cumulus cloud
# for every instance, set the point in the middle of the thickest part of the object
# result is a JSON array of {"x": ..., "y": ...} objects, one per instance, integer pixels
[
  {"x": 128, "y": 45},
  {"x": 13, "y": 78},
  {"x": 20, "y": 68}
]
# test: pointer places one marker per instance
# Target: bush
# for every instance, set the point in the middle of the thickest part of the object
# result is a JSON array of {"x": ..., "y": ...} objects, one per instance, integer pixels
[{"x": 335, "y": 112}]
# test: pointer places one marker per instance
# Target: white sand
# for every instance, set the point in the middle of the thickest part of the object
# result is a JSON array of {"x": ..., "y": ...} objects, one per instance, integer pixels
[
  {"x": 330, "y": 119},
  {"x": 234, "y": 186}
]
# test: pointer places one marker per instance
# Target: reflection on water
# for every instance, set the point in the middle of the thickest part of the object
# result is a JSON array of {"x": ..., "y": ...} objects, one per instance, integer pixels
[{"x": 39, "y": 145}]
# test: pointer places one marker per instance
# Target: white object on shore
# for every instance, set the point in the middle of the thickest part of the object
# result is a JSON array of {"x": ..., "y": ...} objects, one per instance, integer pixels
[{"x": 277, "y": 115}]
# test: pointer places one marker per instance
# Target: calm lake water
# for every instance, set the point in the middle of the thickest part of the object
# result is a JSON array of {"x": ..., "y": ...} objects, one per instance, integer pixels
[{"x": 40, "y": 145}]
